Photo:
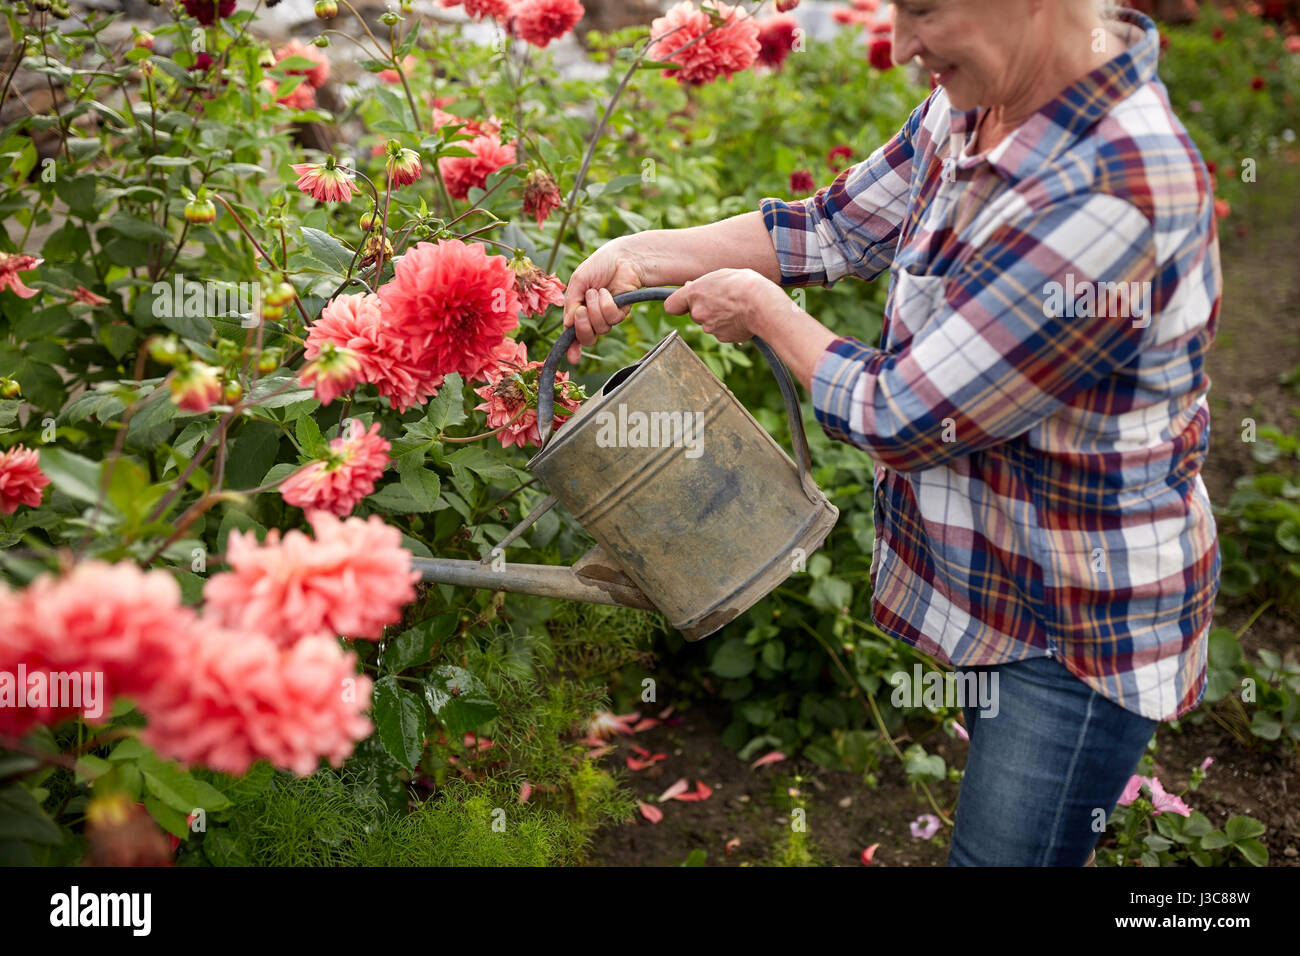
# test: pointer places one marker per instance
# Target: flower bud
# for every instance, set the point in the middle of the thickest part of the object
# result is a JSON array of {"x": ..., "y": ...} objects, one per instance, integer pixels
[
  {"x": 322, "y": 41},
  {"x": 41, "y": 4},
  {"x": 231, "y": 392},
  {"x": 266, "y": 58},
  {"x": 326, "y": 9},
  {"x": 390, "y": 19},
  {"x": 166, "y": 350},
  {"x": 268, "y": 361},
  {"x": 195, "y": 387},
  {"x": 143, "y": 41},
  {"x": 272, "y": 312},
  {"x": 60, "y": 11},
  {"x": 9, "y": 388},
  {"x": 199, "y": 211},
  {"x": 370, "y": 220},
  {"x": 281, "y": 295},
  {"x": 21, "y": 9}
]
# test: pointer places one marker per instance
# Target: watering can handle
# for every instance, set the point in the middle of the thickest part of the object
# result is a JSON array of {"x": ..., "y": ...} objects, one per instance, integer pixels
[{"x": 546, "y": 379}]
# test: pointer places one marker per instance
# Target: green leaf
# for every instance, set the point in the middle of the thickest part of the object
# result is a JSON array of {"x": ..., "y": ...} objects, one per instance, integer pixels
[
  {"x": 328, "y": 250},
  {"x": 400, "y": 720},
  {"x": 734, "y": 659},
  {"x": 918, "y": 764},
  {"x": 479, "y": 461},
  {"x": 73, "y": 475},
  {"x": 309, "y": 437},
  {"x": 419, "y": 482},
  {"x": 1242, "y": 828},
  {"x": 251, "y": 454},
  {"x": 1256, "y": 853},
  {"x": 414, "y": 645},
  {"x": 1215, "y": 840},
  {"x": 458, "y": 699},
  {"x": 447, "y": 408},
  {"x": 169, "y": 818},
  {"x": 21, "y": 818},
  {"x": 172, "y": 786}
]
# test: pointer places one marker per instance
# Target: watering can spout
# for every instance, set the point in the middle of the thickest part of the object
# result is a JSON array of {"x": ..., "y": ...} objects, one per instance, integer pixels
[{"x": 594, "y": 578}]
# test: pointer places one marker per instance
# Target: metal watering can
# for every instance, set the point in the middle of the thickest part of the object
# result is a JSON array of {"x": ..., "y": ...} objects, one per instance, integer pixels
[{"x": 696, "y": 511}]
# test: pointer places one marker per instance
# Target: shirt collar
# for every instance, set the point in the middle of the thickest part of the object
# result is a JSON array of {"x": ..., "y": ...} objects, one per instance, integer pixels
[{"x": 1060, "y": 122}]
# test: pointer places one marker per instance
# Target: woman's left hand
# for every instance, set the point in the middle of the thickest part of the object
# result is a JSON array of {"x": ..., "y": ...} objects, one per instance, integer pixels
[{"x": 723, "y": 302}]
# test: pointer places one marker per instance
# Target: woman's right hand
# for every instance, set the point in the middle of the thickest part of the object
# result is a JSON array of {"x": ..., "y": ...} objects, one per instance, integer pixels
[{"x": 589, "y": 296}]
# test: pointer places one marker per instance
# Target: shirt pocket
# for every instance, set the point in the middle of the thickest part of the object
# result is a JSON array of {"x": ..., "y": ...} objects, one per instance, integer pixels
[{"x": 913, "y": 300}]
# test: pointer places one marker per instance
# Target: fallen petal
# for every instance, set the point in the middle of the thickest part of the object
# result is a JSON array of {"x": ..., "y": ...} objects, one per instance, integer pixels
[
  {"x": 774, "y": 757},
  {"x": 525, "y": 791},
  {"x": 650, "y": 812},
  {"x": 644, "y": 725},
  {"x": 732, "y": 844},
  {"x": 681, "y": 786},
  {"x": 868, "y": 854}
]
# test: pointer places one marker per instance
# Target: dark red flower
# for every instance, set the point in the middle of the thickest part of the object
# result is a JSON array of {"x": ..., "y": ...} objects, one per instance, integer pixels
[
  {"x": 1217, "y": 33},
  {"x": 1257, "y": 83},
  {"x": 840, "y": 150},
  {"x": 208, "y": 12},
  {"x": 881, "y": 54},
  {"x": 776, "y": 37},
  {"x": 801, "y": 181},
  {"x": 202, "y": 61}
]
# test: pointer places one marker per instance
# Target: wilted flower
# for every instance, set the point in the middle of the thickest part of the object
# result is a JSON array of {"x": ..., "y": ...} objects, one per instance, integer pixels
[
  {"x": 82, "y": 294},
  {"x": 537, "y": 289},
  {"x": 21, "y": 479},
  {"x": 12, "y": 263},
  {"x": 724, "y": 51},
  {"x": 348, "y": 473},
  {"x": 510, "y": 407},
  {"x": 327, "y": 182},
  {"x": 541, "y": 196}
]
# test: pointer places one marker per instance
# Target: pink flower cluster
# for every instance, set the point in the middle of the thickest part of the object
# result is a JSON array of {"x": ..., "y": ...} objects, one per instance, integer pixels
[
  {"x": 21, "y": 480},
  {"x": 686, "y": 36},
  {"x": 256, "y": 675},
  {"x": 303, "y": 96}
]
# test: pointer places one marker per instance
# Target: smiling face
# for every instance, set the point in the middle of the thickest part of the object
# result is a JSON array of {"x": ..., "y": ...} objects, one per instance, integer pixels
[
  {"x": 1012, "y": 54},
  {"x": 982, "y": 52}
]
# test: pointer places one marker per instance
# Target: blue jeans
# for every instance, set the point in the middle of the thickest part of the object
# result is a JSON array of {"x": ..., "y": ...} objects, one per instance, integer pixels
[{"x": 1045, "y": 772}]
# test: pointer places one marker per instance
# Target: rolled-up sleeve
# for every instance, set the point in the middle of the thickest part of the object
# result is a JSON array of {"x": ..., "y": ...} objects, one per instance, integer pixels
[
  {"x": 853, "y": 224},
  {"x": 1007, "y": 343}
]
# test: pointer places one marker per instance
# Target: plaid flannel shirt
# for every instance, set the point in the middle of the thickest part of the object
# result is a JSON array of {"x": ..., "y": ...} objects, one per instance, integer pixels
[{"x": 1036, "y": 410}]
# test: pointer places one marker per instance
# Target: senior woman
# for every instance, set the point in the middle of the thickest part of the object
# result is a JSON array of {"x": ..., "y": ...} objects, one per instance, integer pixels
[{"x": 1036, "y": 409}]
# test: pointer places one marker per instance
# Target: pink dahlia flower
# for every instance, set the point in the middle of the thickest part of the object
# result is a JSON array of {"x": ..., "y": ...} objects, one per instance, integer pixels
[
  {"x": 195, "y": 387},
  {"x": 463, "y": 173},
  {"x": 21, "y": 479},
  {"x": 346, "y": 475},
  {"x": 318, "y": 74},
  {"x": 540, "y": 21},
  {"x": 478, "y": 9},
  {"x": 725, "y": 50},
  {"x": 325, "y": 182},
  {"x": 121, "y": 625},
  {"x": 243, "y": 698},
  {"x": 355, "y": 322},
  {"x": 353, "y": 578},
  {"x": 449, "y": 305}
]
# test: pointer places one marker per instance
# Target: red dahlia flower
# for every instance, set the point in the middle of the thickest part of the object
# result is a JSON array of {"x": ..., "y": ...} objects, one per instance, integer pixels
[
  {"x": 540, "y": 21},
  {"x": 801, "y": 181},
  {"x": 725, "y": 50},
  {"x": 776, "y": 40},
  {"x": 449, "y": 305}
]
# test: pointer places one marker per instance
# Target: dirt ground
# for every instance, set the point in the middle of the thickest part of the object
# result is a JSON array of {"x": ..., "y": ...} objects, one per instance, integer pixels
[{"x": 1257, "y": 342}]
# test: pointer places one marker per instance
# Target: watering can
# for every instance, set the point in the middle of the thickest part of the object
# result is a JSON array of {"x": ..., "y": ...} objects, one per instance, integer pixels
[{"x": 696, "y": 511}]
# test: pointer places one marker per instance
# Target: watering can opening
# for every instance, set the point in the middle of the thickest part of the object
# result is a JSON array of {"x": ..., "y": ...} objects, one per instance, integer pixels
[{"x": 696, "y": 510}]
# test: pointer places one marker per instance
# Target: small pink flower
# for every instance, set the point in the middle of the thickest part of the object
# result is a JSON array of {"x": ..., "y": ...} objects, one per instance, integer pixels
[
  {"x": 1132, "y": 790},
  {"x": 959, "y": 730},
  {"x": 21, "y": 479},
  {"x": 12, "y": 263},
  {"x": 325, "y": 182},
  {"x": 1205, "y": 764},
  {"x": 195, "y": 387},
  {"x": 403, "y": 166},
  {"x": 924, "y": 826},
  {"x": 347, "y": 475},
  {"x": 333, "y": 372},
  {"x": 1166, "y": 802}
]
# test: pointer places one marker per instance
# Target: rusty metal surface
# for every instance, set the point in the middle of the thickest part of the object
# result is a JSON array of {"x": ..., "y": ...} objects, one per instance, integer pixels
[{"x": 703, "y": 537}]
